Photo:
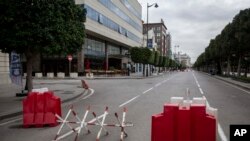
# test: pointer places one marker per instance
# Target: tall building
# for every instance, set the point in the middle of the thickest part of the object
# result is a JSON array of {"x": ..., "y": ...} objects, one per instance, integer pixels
[
  {"x": 112, "y": 27},
  {"x": 4, "y": 68},
  {"x": 183, "y": 59},
  {"x": 162, "y": 38}
]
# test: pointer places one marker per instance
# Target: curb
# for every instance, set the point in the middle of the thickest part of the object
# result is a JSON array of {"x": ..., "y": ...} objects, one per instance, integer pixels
[
  {"x": 243, "y": 87},
  {"x": 217, "y": 77},
  {"x": 18, "y": 113}
]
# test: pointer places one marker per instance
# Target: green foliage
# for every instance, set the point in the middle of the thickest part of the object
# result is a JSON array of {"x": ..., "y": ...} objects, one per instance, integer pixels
[
  {"x": 160, "y": 61},
  {"x": 136, "y": 54},
  {"x": 54, "y": 26},
  {"x": 41, "y": 26},
  {"x": 157, "y": 57},
  {"x": 146, "y": 54},
  {"x": 141, "y": 55},
  {"x": 152, "y": 58},
  {"x": 164, "y": 61},
  {"x": 232, "y": 42}
]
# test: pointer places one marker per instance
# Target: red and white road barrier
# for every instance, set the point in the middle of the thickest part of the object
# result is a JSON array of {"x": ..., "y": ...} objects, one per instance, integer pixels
[
  {"x": 98, "y": 121},
  {"x": 185, "y": 120}
]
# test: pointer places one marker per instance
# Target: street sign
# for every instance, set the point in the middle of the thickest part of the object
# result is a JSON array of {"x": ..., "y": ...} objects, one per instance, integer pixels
[{"x": 70, "y": 57}]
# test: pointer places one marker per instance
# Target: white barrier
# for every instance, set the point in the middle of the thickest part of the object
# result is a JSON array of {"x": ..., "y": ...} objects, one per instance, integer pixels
[{"x": 96, "y": 122}]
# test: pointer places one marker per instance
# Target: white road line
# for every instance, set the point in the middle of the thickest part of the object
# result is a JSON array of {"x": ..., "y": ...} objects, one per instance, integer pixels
[
  {"x": 220, "y": 131},
  {"x": 201, "y": 90},
  {"x": 158, "y": 84},
  {"x": 87, "y": 96},
  {"x": 125, "y": 103},
  {"x": 148, "y": 90},
  {"x": 198, "y": 85},
  {"x": 11, "y": 121}
]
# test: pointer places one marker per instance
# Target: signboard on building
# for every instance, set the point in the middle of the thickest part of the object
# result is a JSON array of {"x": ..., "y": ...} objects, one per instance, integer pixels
[
  {"x": 150, "y": 43},
  {"x": 15, "y": 69}
]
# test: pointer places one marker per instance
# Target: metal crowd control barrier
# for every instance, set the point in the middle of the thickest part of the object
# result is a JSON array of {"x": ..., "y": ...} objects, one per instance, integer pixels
[{"x": 97, "y": 122}]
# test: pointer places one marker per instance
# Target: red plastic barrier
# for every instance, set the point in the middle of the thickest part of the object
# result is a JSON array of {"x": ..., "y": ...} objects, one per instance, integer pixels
[
  {"x": 170, "y": 120},
  {"x": 40, "y": 109},
  {"x": 52, "y": 106},
  {"x": 183, "y": 124},
  {"x": 29, "y": 109}
]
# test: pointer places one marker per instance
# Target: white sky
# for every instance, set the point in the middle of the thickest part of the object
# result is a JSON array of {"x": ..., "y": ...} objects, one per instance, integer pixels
[{"x": 192, "y": 23}]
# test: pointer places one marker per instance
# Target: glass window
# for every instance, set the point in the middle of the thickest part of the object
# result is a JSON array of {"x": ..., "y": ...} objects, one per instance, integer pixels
[
  {"x": 100, "y": 19},
  {"x": 113, "y": 50},
  {"x": 94, "y": 15},
  {"x": 109, "y": 4}
]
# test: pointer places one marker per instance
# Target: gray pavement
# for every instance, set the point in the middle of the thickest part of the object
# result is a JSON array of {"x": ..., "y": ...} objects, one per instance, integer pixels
[
  {"x": 143, "y": 98},
  {"x": 68, "y": 89}
]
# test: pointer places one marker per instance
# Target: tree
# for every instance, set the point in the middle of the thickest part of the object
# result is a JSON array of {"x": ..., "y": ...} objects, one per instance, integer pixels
[
  {"x": 32, "y": 27},
  {"x": 136, "y": 54},
  {"x": 146, "y": 54}
]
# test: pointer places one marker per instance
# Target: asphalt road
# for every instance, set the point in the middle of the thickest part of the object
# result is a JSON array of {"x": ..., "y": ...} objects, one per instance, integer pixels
[{"x": 143, "y": 98}]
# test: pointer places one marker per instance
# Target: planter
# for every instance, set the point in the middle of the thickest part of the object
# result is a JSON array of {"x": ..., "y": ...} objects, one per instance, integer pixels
[
  {"x": 50, "y": 75},
  {"x": 73, "y": 75},
  {"x": 38, "y": 75},
  {"x": 89, "y": 75},
  {"x": 60, "y": 75}
]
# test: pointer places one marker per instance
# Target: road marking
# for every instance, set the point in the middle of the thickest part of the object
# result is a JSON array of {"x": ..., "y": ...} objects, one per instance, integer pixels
[
  {"x": 158, "y": 84},
  {"x": 148, "y": 90},
  {"x": 87, "y": 96},
  {"x": 198, "y": 85},
  {"x": 221, "y": 133},
  {"x": 201, "y": 90},
  {"x": 220, "y": 130},
  {"x": 125, "y": 103},
  {"x": 11, "y": 121}
]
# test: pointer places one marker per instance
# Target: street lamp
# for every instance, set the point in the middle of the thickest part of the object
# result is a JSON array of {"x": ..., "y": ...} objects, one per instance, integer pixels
[{"x": 149, "y": 5}]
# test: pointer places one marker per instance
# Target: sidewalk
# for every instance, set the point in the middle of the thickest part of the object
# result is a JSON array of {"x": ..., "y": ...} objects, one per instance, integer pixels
[
  {"x": 11, "y": 106},
  {"x": 234, "y": 82},
  {"x": 67, "y": 89}
]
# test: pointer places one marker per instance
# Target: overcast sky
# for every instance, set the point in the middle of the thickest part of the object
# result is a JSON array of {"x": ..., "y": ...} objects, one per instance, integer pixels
[{"x": 192, "y": 23}]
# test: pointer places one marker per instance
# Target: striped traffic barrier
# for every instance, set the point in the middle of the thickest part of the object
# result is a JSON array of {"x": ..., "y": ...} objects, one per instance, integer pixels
[{"x": 98, "y": 121}]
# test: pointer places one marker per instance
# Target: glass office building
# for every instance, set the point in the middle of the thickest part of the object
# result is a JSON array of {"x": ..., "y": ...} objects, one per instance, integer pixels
[{"x": 112, "y": 27}]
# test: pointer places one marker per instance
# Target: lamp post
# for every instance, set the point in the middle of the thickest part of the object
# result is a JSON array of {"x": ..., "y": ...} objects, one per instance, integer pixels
[{"x": 149, "y": 5}]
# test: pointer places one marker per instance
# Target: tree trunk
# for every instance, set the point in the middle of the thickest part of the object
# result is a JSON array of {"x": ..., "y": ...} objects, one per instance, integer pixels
[
  {"x": 29, "y": 62},
  {"x": 228, "y": 66},
  {"x": 239, "y": 67},
  {"x": 143, "y": 70}
]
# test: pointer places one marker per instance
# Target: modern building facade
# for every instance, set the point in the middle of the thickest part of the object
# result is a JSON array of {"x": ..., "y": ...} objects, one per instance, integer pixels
[
  {"x": 4, "y": 68},
  {"x": 162, "y": 38},
  {"x": 112, "y": 27}
]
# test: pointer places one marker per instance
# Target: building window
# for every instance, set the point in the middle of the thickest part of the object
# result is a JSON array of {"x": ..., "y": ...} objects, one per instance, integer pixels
[
  {"x": 158, "y": 28},
  {"x": 158, "y": 34},
  {"x": 94, "y": 15},
  {"x": 113, "y": 50},
  {"x": 100, "y": 19}
]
